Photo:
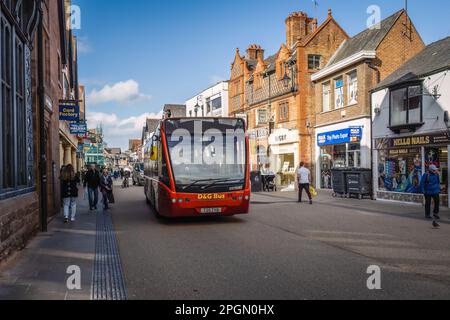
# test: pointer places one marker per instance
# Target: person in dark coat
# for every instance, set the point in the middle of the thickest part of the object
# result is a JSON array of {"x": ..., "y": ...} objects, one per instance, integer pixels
[
  {"x": 431, "y": 188},
  {"x": 106, "y": 187},
  {"x": 92, "y": 182},
  {"x": 69, "y": 192}
]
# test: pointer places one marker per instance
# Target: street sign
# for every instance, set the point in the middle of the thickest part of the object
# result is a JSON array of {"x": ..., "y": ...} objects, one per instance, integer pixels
[
  {"x": 78, "y": 128},
  {"x": 69, "y": 113}
]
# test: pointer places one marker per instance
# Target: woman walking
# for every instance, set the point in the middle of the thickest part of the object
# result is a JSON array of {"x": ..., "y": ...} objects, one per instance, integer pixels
[
  {"x": 69, "y": 192},
  {"x": 106, "y": 187}
]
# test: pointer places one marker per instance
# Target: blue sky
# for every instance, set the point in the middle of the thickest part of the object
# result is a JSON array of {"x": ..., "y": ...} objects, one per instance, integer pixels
[{"x": 137, "y": 55}]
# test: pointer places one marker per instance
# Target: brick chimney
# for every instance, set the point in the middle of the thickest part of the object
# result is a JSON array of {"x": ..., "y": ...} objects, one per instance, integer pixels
[
  {"x": 254, "y": 52},
  {"x": 298, "y": 27}
]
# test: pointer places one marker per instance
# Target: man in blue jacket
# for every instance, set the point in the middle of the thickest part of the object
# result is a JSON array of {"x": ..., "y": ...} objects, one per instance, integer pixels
[{"x": 431, "y": 188}]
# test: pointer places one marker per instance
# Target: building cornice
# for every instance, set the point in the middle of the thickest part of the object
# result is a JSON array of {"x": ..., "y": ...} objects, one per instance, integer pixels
[{"x": 358, "y": 57}]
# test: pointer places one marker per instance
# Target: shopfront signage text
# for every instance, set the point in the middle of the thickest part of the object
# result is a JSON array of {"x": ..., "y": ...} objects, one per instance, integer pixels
[
  {"x": 69, "y": 113},
  {"x": 349, "y": 135},
  {"x": 78, "y": 128},
  {"x": 415, "y": 141}
]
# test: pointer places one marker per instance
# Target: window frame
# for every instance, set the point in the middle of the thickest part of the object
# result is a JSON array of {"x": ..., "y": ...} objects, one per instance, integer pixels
[
  {"x": 283, "y": 109},
  {"x": 349, "y": 83},
  {"x": 257, "y": 118},
  {"x": 18, "y": 85},
  {"x": 314, "y": 61},
  {"x": 326, "y": 84},
  {"x": 407, "y": 124},
  {"x": 335, "y": 90}
]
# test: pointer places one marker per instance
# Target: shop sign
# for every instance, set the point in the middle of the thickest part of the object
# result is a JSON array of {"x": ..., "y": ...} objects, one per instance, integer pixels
[
  {"x": 415, "y": 141},
  {"x": 69, "y": 113},
  {"x": 348, "y": 135},
  {"x": 78, "y": 128},
  {"x": 284, "y": 136}
]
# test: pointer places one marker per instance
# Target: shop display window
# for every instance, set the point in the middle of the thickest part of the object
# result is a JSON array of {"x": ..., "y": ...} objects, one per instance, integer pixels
[
  {"x": 400, "y": 170},
  {"x": 347, "y": 155}
]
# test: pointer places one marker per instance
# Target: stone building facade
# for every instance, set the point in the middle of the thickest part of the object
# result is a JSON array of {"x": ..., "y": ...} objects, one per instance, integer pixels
[
  {"x": 21, "y": 109},
  {"x": 342, "y": 120},
  {"x": 276, "y": 96}
]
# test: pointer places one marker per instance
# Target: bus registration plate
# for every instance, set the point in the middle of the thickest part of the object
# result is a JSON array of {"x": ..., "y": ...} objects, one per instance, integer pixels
[{"x": 211, "y": 210}]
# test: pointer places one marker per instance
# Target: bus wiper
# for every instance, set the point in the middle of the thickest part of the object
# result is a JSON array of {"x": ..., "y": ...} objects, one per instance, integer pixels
[
  {"x": 221, "y": 181},
  {"x": 198, "y": 181}
]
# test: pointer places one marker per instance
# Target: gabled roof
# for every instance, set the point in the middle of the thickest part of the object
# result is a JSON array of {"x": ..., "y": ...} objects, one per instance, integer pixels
[
  {"x": 432, "y": 59},
  {"x": 368, "y": 40}
]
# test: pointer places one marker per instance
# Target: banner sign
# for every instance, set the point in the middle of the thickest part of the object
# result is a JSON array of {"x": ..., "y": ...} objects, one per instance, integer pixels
[
  {"x": 69, "y": 113},
  {"x": 413, "y": 141},
  {"x": 349, "y": 135}
]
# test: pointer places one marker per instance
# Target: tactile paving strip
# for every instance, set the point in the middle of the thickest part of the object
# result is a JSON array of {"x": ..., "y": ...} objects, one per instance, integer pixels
[{"x": 108, "y": 278}]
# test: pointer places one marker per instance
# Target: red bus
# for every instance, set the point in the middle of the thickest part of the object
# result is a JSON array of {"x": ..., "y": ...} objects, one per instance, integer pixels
[{"x": 198, "y": 167}]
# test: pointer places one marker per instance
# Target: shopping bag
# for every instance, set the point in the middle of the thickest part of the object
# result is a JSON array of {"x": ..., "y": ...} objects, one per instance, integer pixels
[{"x": 313, "y": 191}]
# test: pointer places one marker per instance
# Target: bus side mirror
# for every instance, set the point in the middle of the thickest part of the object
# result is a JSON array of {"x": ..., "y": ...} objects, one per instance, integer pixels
[{"x": 154, "y": 154}]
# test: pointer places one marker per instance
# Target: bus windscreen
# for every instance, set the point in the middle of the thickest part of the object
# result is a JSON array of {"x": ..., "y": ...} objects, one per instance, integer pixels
[{"x": 207, "y": 154}]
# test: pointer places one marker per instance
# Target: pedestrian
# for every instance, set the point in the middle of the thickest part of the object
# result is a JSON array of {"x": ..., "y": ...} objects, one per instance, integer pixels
[
  {"x": 92, "y": 182},
  {"x": 69, "y": 192},
  {"x": 304, "y": 180},
  {"x": 106, "y": 186},
  {"x": 430, "y": 186}
]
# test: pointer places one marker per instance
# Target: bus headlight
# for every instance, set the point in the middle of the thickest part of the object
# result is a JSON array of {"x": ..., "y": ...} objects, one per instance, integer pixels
[
  {"x": 174, "y": 200},
  {"x": 180, "y": 200},
  {"x": 247, "y": 198},
  {"x": 240, "y": 198}
]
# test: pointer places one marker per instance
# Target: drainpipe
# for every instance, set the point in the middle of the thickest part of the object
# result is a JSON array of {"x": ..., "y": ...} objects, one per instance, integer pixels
[
  {"x": 372, "y": 149},
  {"x": 42, "y": 142}
]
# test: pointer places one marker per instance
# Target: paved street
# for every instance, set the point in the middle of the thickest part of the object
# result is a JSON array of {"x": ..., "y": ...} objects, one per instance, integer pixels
[{"x": 283, "y": 250}]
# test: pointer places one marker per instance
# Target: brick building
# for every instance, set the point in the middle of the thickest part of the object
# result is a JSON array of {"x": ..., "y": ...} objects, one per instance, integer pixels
[
  {"x": 30, "y": 103},
  {"x": 342, "y": 115},
  {"x": 276, "y": 96}
]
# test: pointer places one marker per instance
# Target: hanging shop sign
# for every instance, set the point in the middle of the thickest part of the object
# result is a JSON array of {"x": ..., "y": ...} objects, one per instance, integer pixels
[
  {"x": 414, "y": 141},
  {"x": 78, "y": 128},
  {"x": 69, "y": 113},
  {"x": 349, "y": 135}
]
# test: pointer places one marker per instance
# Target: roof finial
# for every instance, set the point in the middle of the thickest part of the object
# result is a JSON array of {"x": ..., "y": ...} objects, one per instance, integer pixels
[{"x": 330, "y": 12}]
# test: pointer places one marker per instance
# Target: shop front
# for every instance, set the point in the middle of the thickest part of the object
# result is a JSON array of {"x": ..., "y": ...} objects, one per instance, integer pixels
[
  {"x": 401, "y": 162},
  {"x": 346, "y": 145},
  {"x": 284, "y": 155}
]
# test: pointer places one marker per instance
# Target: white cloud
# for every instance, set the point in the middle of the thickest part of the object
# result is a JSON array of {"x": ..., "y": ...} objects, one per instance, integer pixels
[
  {"x": 124, "y": 92},
  {"x": 118, "y": 131},
  {"x": 83, "y": 45}
]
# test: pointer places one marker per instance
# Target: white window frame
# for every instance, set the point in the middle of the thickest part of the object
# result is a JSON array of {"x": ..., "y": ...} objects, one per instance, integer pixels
[
  {"x": 326, "y": 96},
  {"x": 338, "y": 92},
  {"x": 352, "y": 83}
]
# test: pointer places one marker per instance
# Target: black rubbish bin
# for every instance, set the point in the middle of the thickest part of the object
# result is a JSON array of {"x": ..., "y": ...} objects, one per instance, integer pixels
[
  {"x": 359, "y": 182},
  {"x": 256, "y": 181},
  {"x": 338, "y": 182}
]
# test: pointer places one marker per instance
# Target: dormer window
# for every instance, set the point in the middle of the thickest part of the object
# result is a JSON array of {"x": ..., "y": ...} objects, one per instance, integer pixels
[{"x": 406, "y": 108}]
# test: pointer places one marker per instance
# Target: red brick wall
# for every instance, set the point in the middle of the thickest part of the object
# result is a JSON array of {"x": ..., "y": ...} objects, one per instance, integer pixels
[{"x": 396, "y": 48}]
